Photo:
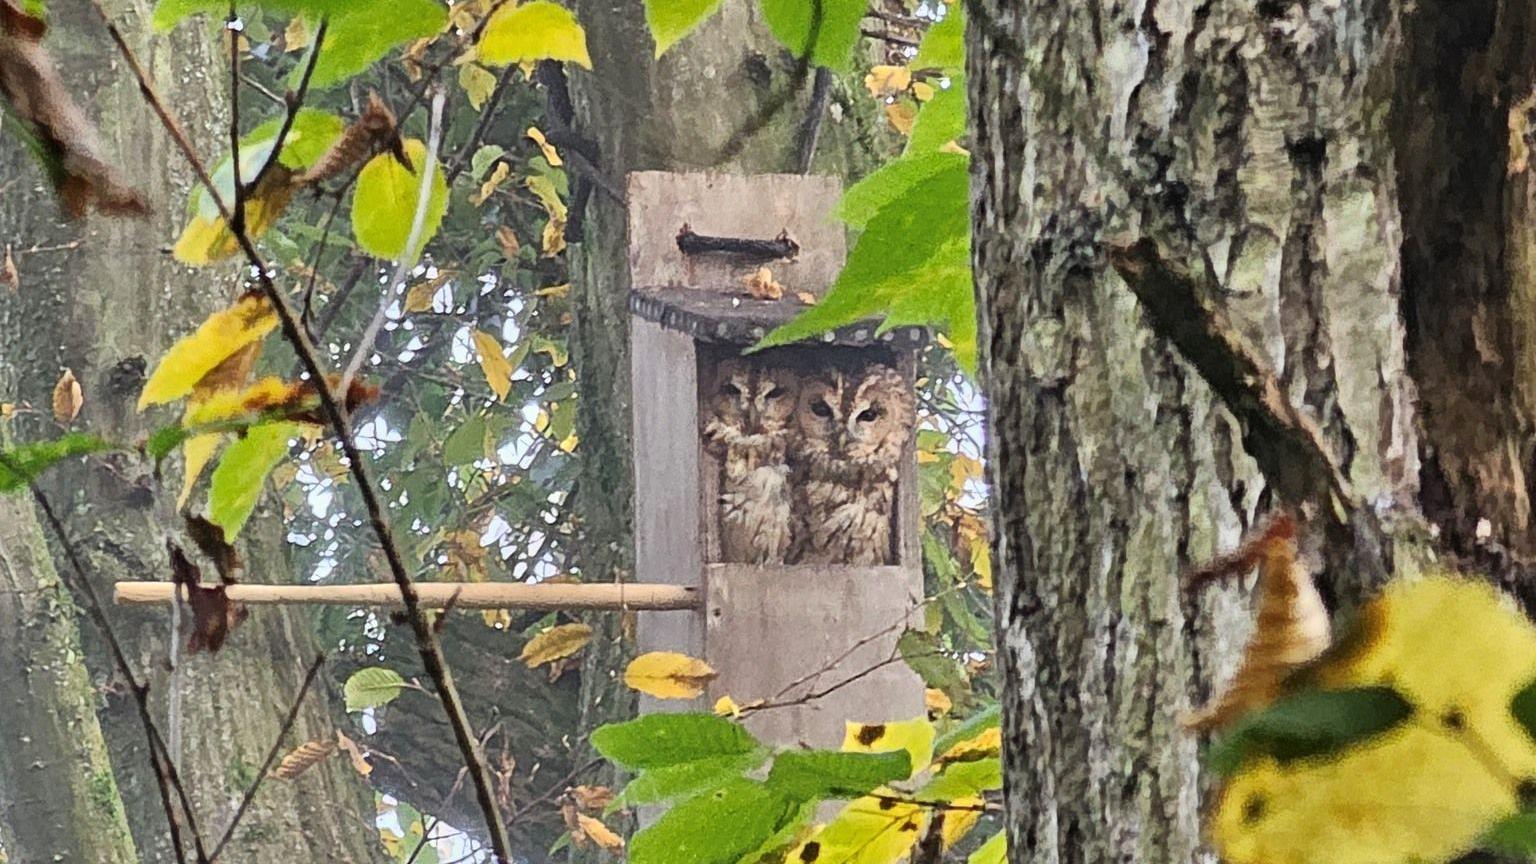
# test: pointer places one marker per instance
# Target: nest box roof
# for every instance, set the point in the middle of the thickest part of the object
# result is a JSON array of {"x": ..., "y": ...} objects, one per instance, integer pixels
[{"x": 733, "y": 319}]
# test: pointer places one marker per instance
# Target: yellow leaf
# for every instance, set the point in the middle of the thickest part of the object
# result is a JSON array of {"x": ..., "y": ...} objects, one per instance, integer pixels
[
  {"x": 67, "y": 398},
  {"x": 568, "y": 445},
  {"x": 914, "y": 736},
  {"x": 197, "y": 452},
  {"x": 419, "y": 298},
  {"x": 477, "y": 83},
  {"x": 555, "y": 643},
  {"x": 668, "y": 675},
  {"x": 1450, "y": 647},
  {"x": 7, "y": 410},
  {"x": 561, "y": 290},
  {"x": 492, "y": 183},
  {"x": 922, "y": 91},
  {"x": 544, "y": 189},
  {"x": 806, "y": 298},
  {"x": 726, "y": 705},
  {"x": 553, "y": 238},
  {"x": 963, "y": 468},
  {"x": 302, "y": 758},
  {"x": 599, "y": 833},
  {"x": 937, "y": 702},
  {"x": 296, "y": 36},
  {"x": 207, "y": 239},
  {"x": 223, "y": 333},
  {"x": 550, "y": 154},
  {"x": 497, "y": 369},
  {"x": 540, "y": 30},
  {"x": 987, "y": 743},
  {"x": 901, "y": 116},
  {"x": 875, "y": 829},
  {"x": 981, "y": 562},
  {"x": 885, "y": 81},
  {"x": 499, "y": 619},
  {"x": 959, "y": 822}
]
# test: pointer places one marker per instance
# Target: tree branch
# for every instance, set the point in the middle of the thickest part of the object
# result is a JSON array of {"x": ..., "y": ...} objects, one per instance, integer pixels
[{"x": 293, "y": 330}]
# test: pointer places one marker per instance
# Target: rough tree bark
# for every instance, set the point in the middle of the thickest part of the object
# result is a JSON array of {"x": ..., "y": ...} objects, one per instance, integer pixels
[
  {"x": 58, "y": 798},
  {"x": 106, "y": 300},
  {"x": 1252, "y": 143}
]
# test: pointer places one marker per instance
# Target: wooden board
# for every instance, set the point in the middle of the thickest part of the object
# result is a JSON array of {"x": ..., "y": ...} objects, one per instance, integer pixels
[
  {"x": 769, "y": 627},
  {"x": 753, "y": 207}
]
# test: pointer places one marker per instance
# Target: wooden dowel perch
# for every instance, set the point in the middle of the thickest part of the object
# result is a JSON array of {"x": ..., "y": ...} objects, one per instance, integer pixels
[{"x": 436, "y": 595}]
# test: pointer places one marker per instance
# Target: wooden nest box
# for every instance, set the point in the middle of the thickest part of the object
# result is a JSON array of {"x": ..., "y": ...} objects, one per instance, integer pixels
[{"x": 781, "y": 484}]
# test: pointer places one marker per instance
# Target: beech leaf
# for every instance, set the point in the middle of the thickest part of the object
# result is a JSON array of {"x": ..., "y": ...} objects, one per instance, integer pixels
[{"x": 668, "y": 675}]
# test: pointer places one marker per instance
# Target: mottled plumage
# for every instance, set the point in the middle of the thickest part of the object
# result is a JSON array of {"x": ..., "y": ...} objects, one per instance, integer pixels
[
  {"x": 748, "y": 430},
  {"x": 852, "y": 430}
]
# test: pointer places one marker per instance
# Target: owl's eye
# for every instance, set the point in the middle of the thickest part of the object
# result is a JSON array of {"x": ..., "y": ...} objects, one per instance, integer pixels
[
  {"x": 821, "y": 409},
  {"x": 869, "y": 415},
  {"x": 729, "y": 389},
  {"x": 776, "y": 393}
]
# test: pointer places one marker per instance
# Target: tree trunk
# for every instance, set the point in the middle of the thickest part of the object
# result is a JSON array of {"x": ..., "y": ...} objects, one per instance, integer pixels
[
  {"x": 58, "y": 799},
  {"x": 725, "y": 98},
  {"x": 104, "y": 299},
  {"x": 1251, "y": 142}
]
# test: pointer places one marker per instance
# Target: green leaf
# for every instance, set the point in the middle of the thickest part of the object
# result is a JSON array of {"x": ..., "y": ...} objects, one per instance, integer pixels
[
  {"x": 372, "y": 687},
  {"x": 385, "y": 203},
  {"x": 964, "y": 780},
  {"x": 659, "y": 740},
  {"x": 943, "y": 46},
  {"x": 1523, "y": 706},
  {"x": 978, "y": 723},
  {"x": 717, "y": 827},
  {"x": 23, "y": 464},
  {"x": 911, "y": 265},
  {"x": 807, "y": 774},
  {"x": 671, "y": 20},
  {"x": 169, "y": 13},
  {"x": 1512, "y": 837},
  {"x": 687, "y": 778},
  {"x": 941, "y": 120},
  {"x": 1312, "y": 723},
  {"x": 236, "y": 484},
  {"x": 467, "y": 443},
  {"x": 865, "y": 199},
  {"x": 994, "y": 851},
  {"x": 365, "y": 32},
  {"x": 312, "y": 134},
  {"x": 483, "y": 158},
  {"x": 540, "y": 30},
  {"x": 792, "y": 22}
]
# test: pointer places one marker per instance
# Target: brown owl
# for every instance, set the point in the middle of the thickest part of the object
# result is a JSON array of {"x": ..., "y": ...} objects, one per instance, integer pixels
[
  {"x": 853, "y": 427},
  {"x": 750, "y": 421}
]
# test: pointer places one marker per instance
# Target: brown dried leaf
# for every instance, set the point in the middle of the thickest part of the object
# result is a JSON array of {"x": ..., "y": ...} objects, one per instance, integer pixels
[
  {"x": 806, "y": 298},
  {"x": 556, "y": 643},
  {"x": 763, "y": 286},
  {"x": 66, "y": 141},
  {"x": 302, "y": 758},
  {"x": 419, "y": 298},
  {"x": 355, "y": 752},
  {"x": 1291, "y": 626},
  {"x": 506, "y": 238},
  {"x": 10, "y": 277},
  {"x": 214, "y": 616},
  {"x": 499, "y": 175},
  {"x": 209, "y": 539},
  {"x": 901, "y": 115},
  {"x": 67, "y": 398},
  {"x": 593, "y": 798},
  {"x": 885, "y": 81}
]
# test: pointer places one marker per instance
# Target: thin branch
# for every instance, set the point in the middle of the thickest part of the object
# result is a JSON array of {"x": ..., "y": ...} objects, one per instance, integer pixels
[
  {"x": 408, "y": 256},
  {"x": 272, "y": 753},
  {"x": 293, "y": 330},
  {"x": 810, "y": 130},
  {"x": 295, "y": 102},
  {"x": 487, "y": 115},
  {"x": 887, "y": 36},
  {"x": 232, "y": 32},
  {"x": 262, "y": 89}
]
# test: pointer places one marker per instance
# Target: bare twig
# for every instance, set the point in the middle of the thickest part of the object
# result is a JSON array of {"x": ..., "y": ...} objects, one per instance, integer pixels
[
  {"x": 293, "y": 330},
  {"x": 272, "y": 754},
  {"x": 294, "y": 101},
  {"x": 487, "y": 115},
  {"x": 232, "y": 33},
  {"x": 408, "y": 255},
  {"x": 810, "y": 130}
]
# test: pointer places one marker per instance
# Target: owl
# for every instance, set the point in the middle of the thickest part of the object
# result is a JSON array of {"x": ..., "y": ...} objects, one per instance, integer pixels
[
  {"x": 750, "y": 421},
  {"x": 852, "y": 428}
]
